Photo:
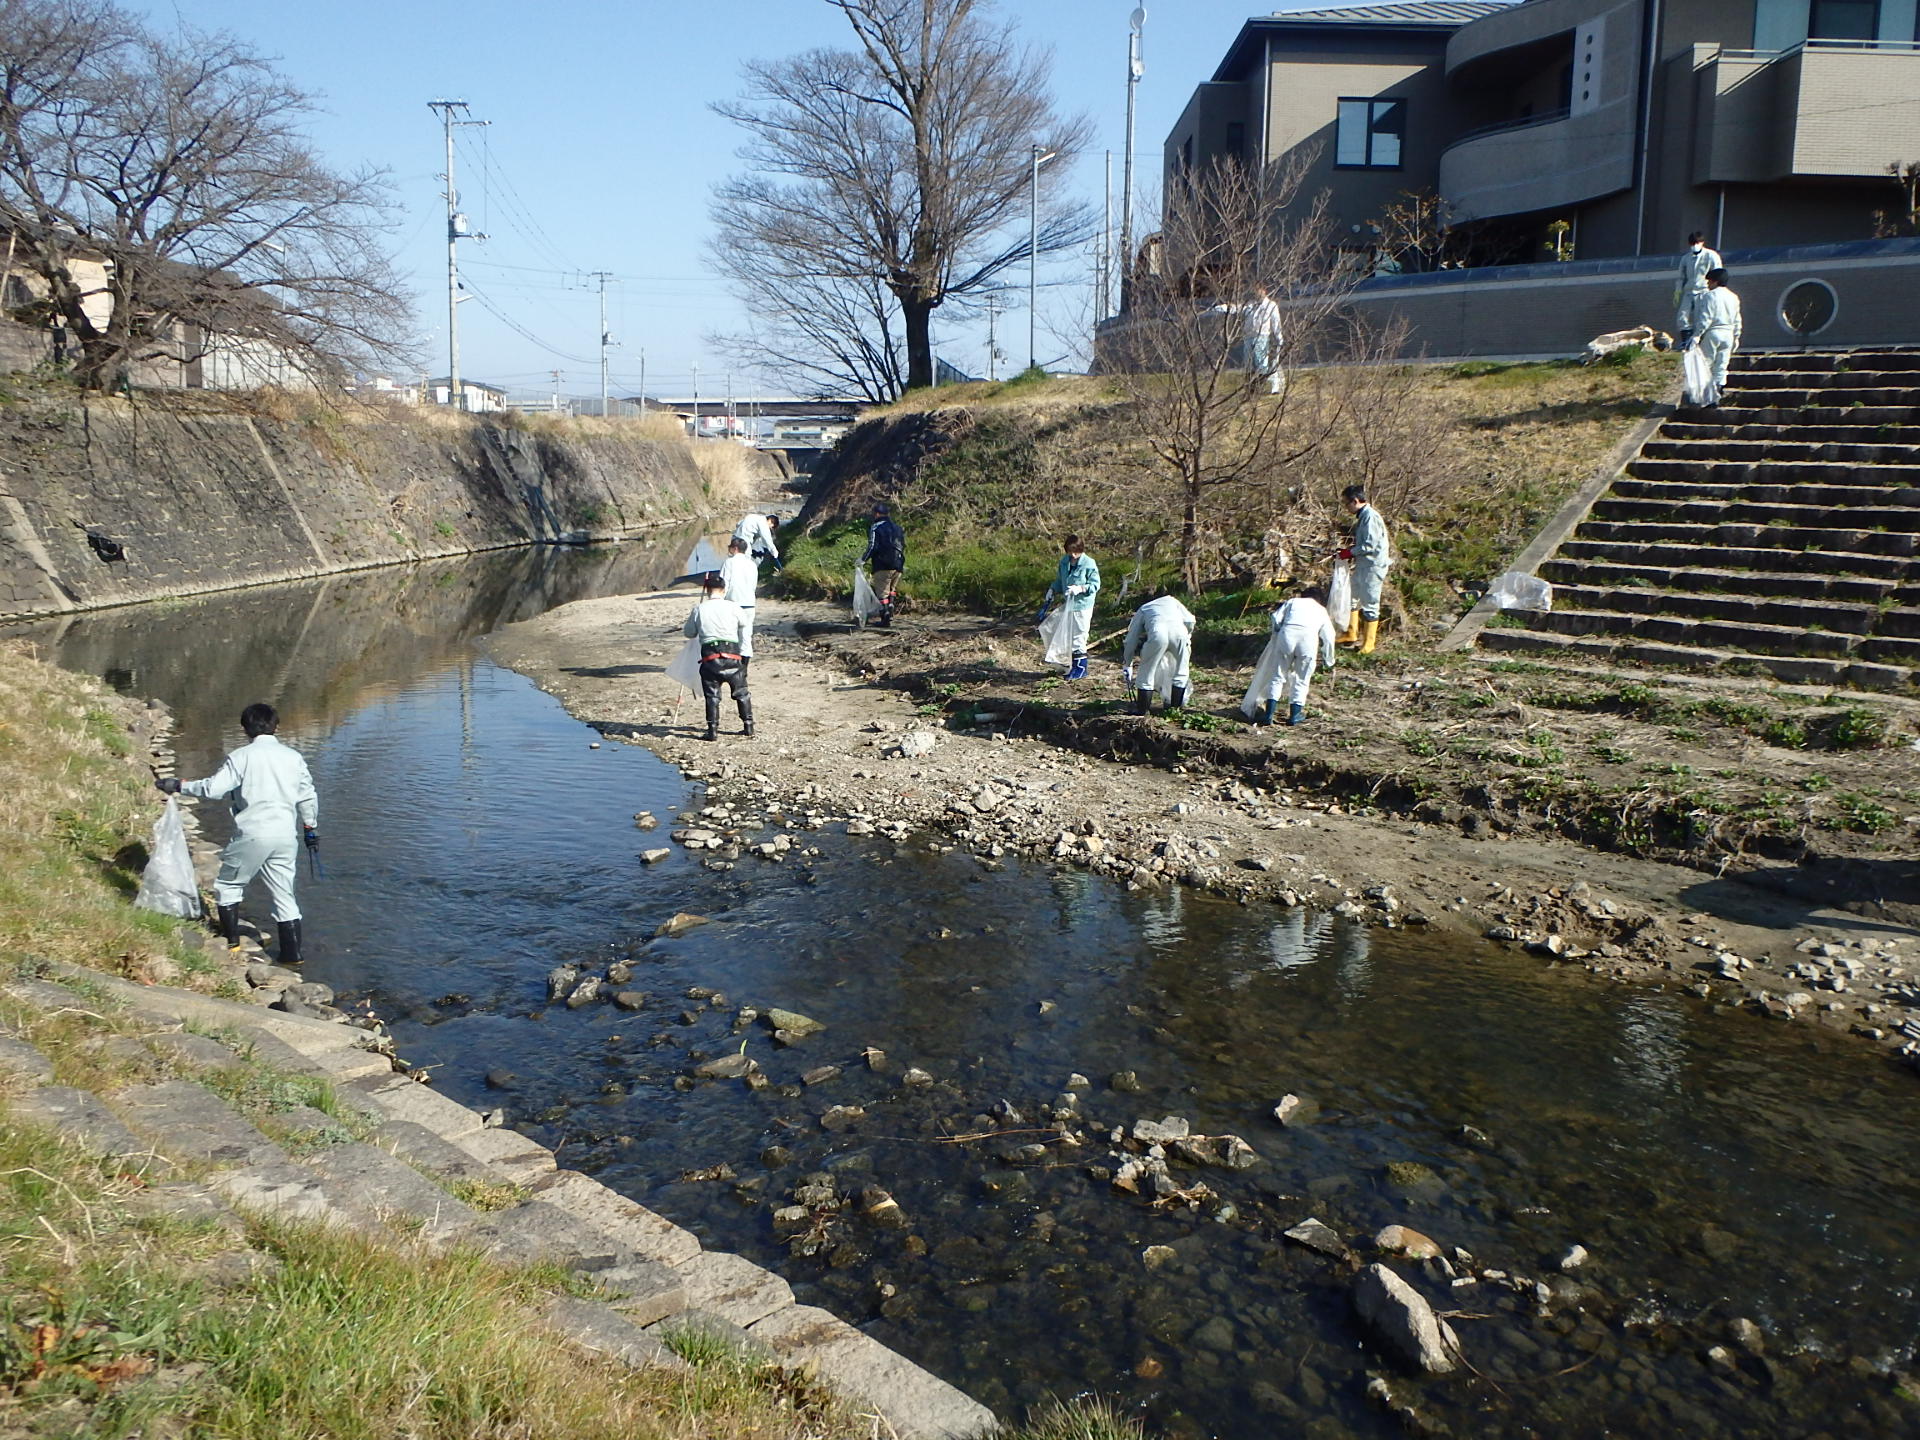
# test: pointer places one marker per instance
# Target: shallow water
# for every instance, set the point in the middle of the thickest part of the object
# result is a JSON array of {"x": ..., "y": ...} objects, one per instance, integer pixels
[{"x": 1714, "y": 1165}]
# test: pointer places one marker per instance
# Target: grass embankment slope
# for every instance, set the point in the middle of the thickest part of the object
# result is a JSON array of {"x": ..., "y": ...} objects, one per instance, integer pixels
[{"x": 122, "y": 1317}]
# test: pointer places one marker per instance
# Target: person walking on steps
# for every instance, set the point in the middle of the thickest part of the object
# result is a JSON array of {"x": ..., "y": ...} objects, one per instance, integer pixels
[
  {"x": 274, "y": 807},
  {"x": 757, "y": 530},
  {"x": 742, "y": 579},
  {"x": 1077, "y": 582},
  {"x": 1303, "y": 637},
  {"x": 1716, "y": 314},
  {"x": 1696, "y": 263},
  {"x": 887, "y": 552},
  {"x": 716, "y": 623},
  {"x": 1371, "y": 558},
  {"x": 1159, "y": 651}
]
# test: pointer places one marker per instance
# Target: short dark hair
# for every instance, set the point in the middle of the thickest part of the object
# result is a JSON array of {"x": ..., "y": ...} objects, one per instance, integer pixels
[
  {"x": 773, "y": 522},
  {"x": 1355, "y": 492},
  {"x": 712, "y": 581},
  {"x": 1698, "y": 237},
  {"x": 259, "y": 719},
  {"x": 1072, "y": 542},
  {"x": 1717, "y": 275},
  {"x": 737, "y": 545},
  {"x": 1315, "y": 592},
  {"x": 880, "y": 508}
]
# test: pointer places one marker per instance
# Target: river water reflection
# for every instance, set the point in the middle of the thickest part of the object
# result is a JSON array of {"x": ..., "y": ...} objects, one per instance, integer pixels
[{"x": 1715, "y": 1167}]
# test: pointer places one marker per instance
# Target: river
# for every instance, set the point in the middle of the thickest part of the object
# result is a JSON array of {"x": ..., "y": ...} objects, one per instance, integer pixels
[{"x": 1715, "y": 1166}]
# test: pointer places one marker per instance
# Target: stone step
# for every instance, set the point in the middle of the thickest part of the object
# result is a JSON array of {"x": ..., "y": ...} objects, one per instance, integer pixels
[
  {"x": 1771, "y": 514},
  {"x": 1670, "y": 555},
  {"x": 1802, "y": 472},
  {"x": 1739, "y": 609},
  {"x": 1610, "y": 650},
  {"x": 380, "y": 1183},
  {"x": 22, "y": 1064},
  {"x": 1755, "y": 638},
  {"x": 1838, "y": 397},
  {"x": 1568, "y": 570},
  {"x": 1834, "y": 543},
  {"x": 1857, "y": 377},
  {"x": 1857, "y": 451},
  {"x": 394, "y": 1097},
  {"x": 187, "y": 1122},
  {"x": 651, "y": 1236},
  {"x": 1786, "y": 430},
  {"x": 1887, "y": 358},
  {"x": 81, "y": 1117},
  {"x": 1830, "y": 496},
  {"x": 1733, "y": 411},
  {"x": 600, "y": 1329}
]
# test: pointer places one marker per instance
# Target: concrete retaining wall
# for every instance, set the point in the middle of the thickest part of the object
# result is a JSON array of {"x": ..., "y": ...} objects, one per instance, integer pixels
[{"x": 205, "y": 496}]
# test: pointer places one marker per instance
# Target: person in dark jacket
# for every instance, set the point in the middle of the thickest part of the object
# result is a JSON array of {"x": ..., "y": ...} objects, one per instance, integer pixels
[{"x": 887, "y": 551}]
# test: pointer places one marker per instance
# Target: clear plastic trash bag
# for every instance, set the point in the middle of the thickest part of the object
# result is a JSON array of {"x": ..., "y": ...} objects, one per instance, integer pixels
[
  {"x": 1254, "y": 702},
  {"x": 1340, "y": 595},
  {"x": 1697, "y": 376},
  {"x": 168, "y": 885},
  {"x": 1517, "y": 590},
  {"x": 684, "y": 668},
  {"x": 1057, "y": 636},
  {"x": 865, "y": 602}
]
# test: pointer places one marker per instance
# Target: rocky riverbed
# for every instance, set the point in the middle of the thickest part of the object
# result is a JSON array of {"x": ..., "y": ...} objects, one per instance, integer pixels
[{"x": 838, "y": 751}]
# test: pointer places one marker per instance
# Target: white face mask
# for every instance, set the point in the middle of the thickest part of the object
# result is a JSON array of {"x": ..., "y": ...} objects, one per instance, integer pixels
[{"x": 1698, "y": 246}]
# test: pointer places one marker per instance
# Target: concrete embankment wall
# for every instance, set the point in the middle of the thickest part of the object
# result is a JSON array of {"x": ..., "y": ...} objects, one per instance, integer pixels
[{"x": 206, "y": 495}]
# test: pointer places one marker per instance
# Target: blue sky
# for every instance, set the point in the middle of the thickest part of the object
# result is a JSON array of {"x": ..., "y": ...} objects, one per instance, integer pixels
[{"x": 602, "y": 152}]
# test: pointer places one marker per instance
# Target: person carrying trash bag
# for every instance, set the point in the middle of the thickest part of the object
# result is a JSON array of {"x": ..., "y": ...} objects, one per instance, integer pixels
[
  {"x": 757, "y": 530},
  {"x": 716, "y": 624},
  {"x": 1716, "y": 328},
  {"x": 887, "y": 552},
  {"x": 742, "y": 578},
  {"x": 1076, "y": 584},
  {"x": 275, "y": 807},
  {"x": 1301, "y": 642},
  {"x": 1158, "y": 652},
  {"x": 1371, "y": 557}
]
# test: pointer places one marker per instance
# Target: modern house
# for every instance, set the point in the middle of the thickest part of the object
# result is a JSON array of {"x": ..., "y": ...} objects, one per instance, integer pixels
[
  {"x": 476, "y": 397},
  {"x": 1599, "y": 132}
]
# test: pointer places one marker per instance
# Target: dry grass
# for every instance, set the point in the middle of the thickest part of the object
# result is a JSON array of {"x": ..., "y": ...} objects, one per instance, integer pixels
[{"x": 726, "y": 472}]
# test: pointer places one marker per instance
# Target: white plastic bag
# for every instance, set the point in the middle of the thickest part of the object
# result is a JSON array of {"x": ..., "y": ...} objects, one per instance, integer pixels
[
  {"x": 1697, "y": 377},
  {"x": 168, "y": 884},
  {"x": 1340, "y": 595},
  {"x": 1254, "y": 702},
  {"x": 865, "y": 602},
  {"x": 684, "y": 668},
  {"x": 1056, "y": 635},
  {"x": 1517, "y": 590}
]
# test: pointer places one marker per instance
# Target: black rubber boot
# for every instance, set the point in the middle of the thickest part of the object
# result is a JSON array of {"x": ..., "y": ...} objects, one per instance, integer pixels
[
  {"x": 230, "y": 925},
  {"x": 289, "y": 942},
  {"x": 1267, "y": 719},
  {"x": 713, "y": 717},
  {"x": 1179, "y": 698},
  {"x": 745, "y": 706},
  {"x": 1143, "y": 702}
]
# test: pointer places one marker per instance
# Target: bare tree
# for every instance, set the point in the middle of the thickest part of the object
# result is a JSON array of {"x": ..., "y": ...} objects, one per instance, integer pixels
[
  {"x": 904, "y": 163},
  {"x": 174, "y": 170},
  {"x": 1220, "y": 433},
  {"x": 834, "y": 337}
]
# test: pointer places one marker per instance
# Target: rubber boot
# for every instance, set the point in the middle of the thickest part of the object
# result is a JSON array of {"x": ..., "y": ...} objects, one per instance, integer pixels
[
  {"x": 289, "y": 943},
  {"x": 230, "y": 925},
  {"x": 1372, "y": 631},
  {"x": 1352, "y": 636},
  {"x": 713, "y": 718},
  {"x": 1179, "y": 697},
  {"x": 745, "y": 706},
  {"x": 1296, "y": 714},
  {"x": 1267, "y": 719},
  {"x": 1143, "y": 702}
]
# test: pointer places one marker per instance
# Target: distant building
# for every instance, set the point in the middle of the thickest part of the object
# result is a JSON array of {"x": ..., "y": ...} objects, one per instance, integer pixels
[{"x": 480, "y": 398}]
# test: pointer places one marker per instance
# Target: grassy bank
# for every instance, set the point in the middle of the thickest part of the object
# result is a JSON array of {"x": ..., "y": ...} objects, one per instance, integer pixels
[
  {"x": 1472, "y": 461},
  {"x": 124, "y": 1312}
]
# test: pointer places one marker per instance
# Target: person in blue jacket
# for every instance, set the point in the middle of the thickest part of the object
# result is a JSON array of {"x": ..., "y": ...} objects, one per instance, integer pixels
[{"x": 1077, "y": 582}]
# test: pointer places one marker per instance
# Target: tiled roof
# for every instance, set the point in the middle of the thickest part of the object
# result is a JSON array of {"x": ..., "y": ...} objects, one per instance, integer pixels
[{"x": 1407, "y": 12}]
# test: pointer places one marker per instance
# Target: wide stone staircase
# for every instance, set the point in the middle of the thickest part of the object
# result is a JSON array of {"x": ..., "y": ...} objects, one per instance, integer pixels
[{"x": 1778, "y": 533}]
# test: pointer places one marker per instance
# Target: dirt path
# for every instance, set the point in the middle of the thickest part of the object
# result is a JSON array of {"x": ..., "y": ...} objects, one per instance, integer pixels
[{"x": 829, "y": 753}]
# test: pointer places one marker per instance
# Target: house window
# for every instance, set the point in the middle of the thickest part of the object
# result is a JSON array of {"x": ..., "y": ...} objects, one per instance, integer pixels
[
  {"x": 1844, "y": 20},
  {"x": 1368, "y": 134}
]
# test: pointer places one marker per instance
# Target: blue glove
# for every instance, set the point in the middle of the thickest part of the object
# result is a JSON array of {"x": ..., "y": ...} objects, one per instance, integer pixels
[
  {"x": 1045, "y": 609},
  {"x": 168, "y": 786}
]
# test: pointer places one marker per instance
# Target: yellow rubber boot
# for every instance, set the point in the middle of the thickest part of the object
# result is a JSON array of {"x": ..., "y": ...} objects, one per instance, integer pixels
[
  {"x": 1352, "y": 637},
  {"x": 1372, "y": 629}
]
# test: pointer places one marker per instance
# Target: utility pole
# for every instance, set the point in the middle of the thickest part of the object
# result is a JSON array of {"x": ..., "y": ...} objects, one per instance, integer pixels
[
  {"x": 993, "y": 349},
  {"x": 643, "y": 380},
  {"x": 1040, "y": 158},
  {"x": 456, "y": 229},
  {"x": 556, "y": 389},
  {"x": 1136, "y": 23},
  {"x": 696, "y": 399},
  {"x": 605, "y": 339},
  {"x": 1101, "y": 310}
]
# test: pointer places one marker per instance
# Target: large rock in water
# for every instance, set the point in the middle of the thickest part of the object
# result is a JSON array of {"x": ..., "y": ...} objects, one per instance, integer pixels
[
  {"x": 792, "y": 1021},
  {"x": 1403, "y": 1322}
]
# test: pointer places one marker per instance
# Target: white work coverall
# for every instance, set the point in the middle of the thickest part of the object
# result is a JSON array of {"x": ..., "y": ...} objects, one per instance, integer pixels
[
  {"x": 1077, "y": 582},
  {"x": 758, "y": 534},
  {"x": 743, "y": 579},
  {"x": 1694, "y": 266},
  {"x": 1371, "y": 560},
  {"x": 1161, "y": 636},
  {"x": 1718, "y": 330},
  {"x": 1304, "y": 632},
  {"x": 273, "y": 797}
]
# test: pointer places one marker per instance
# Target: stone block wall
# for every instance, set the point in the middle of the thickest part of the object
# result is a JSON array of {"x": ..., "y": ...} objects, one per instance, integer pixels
[{"x": 206, "y": 495}]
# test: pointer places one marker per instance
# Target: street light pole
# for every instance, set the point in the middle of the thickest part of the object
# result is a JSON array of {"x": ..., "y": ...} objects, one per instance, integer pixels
[
  {"x": 1136, "y": 23},
  {"x": 1040, "y": 157}
]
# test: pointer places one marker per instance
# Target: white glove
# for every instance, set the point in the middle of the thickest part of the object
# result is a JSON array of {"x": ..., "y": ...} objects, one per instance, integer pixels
[
  {"x": 1076, "y": 589},
  {"x": 1127, "y": 675}
]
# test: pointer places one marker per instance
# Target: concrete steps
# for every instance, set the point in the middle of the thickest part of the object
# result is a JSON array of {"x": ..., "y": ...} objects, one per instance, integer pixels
[
  {"x": 1777, "y": 532},
  {"x": 401, "y": 1181}
]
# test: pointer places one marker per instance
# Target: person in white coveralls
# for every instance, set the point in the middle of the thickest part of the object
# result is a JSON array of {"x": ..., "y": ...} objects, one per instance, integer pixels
[
  {"x": 1716, "y": 315},
  {"x": 1158, "y": 651},
  {"x": 1695, "y": 264},
  {"x": 757, "y": 530},
  {"x": 274, "y": 807},
  {"x": 1303, "y": 637},
  {"x": 742, "y": 579}
]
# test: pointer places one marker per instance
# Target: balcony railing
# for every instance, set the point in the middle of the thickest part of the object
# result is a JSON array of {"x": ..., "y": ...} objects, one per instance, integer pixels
[
  {"x": 1822, "y": 46},
  {"x": 1502, "y": 127}
]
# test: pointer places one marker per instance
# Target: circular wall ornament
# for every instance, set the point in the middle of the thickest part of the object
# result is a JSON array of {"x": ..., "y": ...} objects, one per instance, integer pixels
[{"x": 1807, "y": 307}]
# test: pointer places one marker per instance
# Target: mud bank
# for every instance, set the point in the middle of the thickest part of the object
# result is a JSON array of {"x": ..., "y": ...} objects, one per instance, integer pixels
[{"x": 838, "y": 749}]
